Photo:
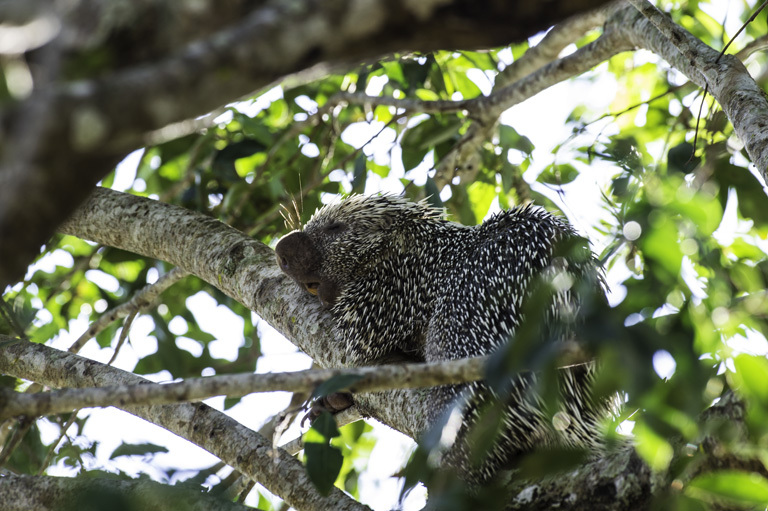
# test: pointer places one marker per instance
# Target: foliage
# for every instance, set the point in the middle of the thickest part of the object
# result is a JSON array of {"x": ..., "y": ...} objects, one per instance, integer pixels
[{"x": 681, "y": 229}]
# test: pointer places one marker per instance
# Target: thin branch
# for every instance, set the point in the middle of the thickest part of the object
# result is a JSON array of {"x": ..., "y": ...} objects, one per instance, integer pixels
[
  {"x": 564, "y": 33},
  {"x": 371, "y": 379},
  {"x": 236, "y": 486},
  {"x": 754, "y": 46},
  {"x": 21, "y": 429},
  {"x": 52, "y": 448},
  {"x": 741, "y": 29},
  {"x": 123, "y": 336}
]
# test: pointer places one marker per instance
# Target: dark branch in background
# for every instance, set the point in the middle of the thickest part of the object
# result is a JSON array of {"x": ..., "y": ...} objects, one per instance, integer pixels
[{"x": 89, "y": 124}]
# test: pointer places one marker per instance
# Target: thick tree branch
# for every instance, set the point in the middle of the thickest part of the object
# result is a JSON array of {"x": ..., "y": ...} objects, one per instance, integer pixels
[
  {"x": 241, "y": 268},
  {"x": 45, "y": 493},
  {"x": 622, "y": 480},
  {"x": 222, "y": 436},
  {"x": 372, "y": 379}
]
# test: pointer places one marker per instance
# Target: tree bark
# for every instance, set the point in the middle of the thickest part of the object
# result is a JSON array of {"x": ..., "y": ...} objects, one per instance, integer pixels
[{"x": 363, "y": 379}]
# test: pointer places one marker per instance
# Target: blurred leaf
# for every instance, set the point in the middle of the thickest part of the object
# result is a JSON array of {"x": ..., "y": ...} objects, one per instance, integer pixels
[
  {"x": 136, "y": 450},
  {"x": 224, "y": 162},
  {"x": 325, "y": 424},
  {"x": 323, "y": 465},
  {"x": 744, "y": 488},
  {"x": 661, "y": 244},
  {"x": 359, "y": 174},
  {"x": 418, "y": 140},
  {"x": 750, "y": 377},
  {"x": 681, "y": 158},
  {"x": 753, "y": 202},
  {"x": 654, "y": 449},
  {"x": 510, "y": 138},
  {"x": 336, "y": 384},
  {"x": 560, "y": 174},
  {"x": 481, "y": 196}
]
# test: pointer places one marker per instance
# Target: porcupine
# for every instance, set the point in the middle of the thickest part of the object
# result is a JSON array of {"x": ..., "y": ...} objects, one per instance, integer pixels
[{"x": 404, "y": 284}]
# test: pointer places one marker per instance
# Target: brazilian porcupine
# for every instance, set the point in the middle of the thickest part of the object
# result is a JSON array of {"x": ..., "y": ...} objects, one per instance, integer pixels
[{"x": 404, "y": 284}]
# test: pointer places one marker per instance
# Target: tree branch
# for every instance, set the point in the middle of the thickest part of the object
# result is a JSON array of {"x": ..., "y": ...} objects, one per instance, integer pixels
[
  {"x": 245, "y": 270},
  {"x": 222, "y": 436},
  {"x": 372, "y": 379},
  {"x": 24, "y": 492}
]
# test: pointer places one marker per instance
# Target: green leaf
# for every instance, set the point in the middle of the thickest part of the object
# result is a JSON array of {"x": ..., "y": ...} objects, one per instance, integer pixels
[
  {"x": 753, "y": 203},
  {"x": 419, "y": 139},
  {"x": 432, "y": 193},
  {"x": 323, "y": 462},
  {"x": 224, "y": 161},
  {"x": 481, "y": 196},
  {"x": 654, "y": 449},
  {"x": 561, "y": 174},
  {"x": 736, "y": 486},
  {"x": 136, "y": 450},
  {"x": 511, "y": 139},
  {"x": 681, "y": 158},
  {"x": 359, "y": 174},
  {"x": 660, "y": 244},
  {"x": 750, "y": 377},
  {"x": 326, "y": 426},
  {"x": 337, "y": 383}
]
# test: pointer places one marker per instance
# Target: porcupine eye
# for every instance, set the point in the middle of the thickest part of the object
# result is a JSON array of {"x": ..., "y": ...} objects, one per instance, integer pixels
[{"x": 334, "y": 228}]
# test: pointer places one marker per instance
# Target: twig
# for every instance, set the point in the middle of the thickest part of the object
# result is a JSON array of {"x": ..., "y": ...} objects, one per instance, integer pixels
[
  {"x": 52, "y": 447},
  {"x": 758, "y": 44},
  {"x": 21, "y": 430},
  {"x": 123, "y": 336},
  {"x": 741, "y": 29}
]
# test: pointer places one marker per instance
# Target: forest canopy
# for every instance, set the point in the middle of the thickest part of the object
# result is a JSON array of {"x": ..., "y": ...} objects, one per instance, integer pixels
[{"x": 157, "y": 150}]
